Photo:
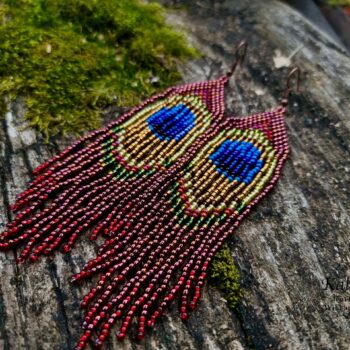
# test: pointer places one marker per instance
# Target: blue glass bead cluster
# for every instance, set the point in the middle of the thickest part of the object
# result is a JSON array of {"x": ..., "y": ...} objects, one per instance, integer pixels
[
  {"x": 171, "y": 123},
  {"x": 237, "y": 160}
]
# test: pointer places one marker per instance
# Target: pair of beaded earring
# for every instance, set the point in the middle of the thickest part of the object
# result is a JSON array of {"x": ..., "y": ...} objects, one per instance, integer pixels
[{"x": 166, "y": 184}]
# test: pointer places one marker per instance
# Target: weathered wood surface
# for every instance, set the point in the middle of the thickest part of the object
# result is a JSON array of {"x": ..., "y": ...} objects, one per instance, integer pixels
[{"x": 297, "y": 237}]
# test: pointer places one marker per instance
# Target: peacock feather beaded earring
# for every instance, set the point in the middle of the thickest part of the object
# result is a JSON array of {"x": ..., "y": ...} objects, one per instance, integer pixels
[
  {"x": 181, "y": 221},
  {"x": 167, "y": 183},
  {"x": 93, "y": 181}
]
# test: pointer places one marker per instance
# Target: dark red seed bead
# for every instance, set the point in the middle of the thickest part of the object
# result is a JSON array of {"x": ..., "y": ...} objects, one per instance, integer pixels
[{"x": 120, "y": 336}]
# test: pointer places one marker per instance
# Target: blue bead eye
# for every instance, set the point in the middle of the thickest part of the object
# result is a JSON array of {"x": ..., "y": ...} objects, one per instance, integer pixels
[
  {"x": 237, "y": 160},
  {"x": 171, "y": 123}
]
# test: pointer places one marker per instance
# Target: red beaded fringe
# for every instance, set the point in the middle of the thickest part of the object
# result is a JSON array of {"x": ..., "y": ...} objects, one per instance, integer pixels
[{"x": 162, "y": 227}]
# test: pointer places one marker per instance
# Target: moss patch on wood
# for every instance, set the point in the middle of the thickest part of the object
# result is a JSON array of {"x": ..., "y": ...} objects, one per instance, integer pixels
[
  {"x": 71, "y": 59},
  {"x": 224, "y": 274},
  {"x": 339, "y": 2}
]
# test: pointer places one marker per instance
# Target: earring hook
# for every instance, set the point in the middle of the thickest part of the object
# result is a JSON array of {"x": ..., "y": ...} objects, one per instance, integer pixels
[
  {"x": 293, "y": 74},
  {"x": 240, "y": 53}
]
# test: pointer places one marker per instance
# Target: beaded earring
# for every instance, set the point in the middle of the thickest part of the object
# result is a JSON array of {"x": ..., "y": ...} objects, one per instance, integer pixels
[
  {"x": 181, "y": 221},
  {"x": 92, "y": 183},
  {"x": 167, "y": 183}
]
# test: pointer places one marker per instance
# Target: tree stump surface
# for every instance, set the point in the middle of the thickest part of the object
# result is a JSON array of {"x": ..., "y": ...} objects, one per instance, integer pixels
[{"x": 293, "y": 241}]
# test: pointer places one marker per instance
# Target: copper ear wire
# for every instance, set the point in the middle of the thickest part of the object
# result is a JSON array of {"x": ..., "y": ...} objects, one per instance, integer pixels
[
  {"x": 240, "y": 54},
  {"x": 294, "y": 73}
]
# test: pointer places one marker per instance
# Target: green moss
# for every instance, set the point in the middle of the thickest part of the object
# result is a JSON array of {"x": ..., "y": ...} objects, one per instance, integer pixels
[
  {"x": 224, "y": 274},
  {"x": 71, "y": 59},
  {"x": 339, "y": 2}
]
